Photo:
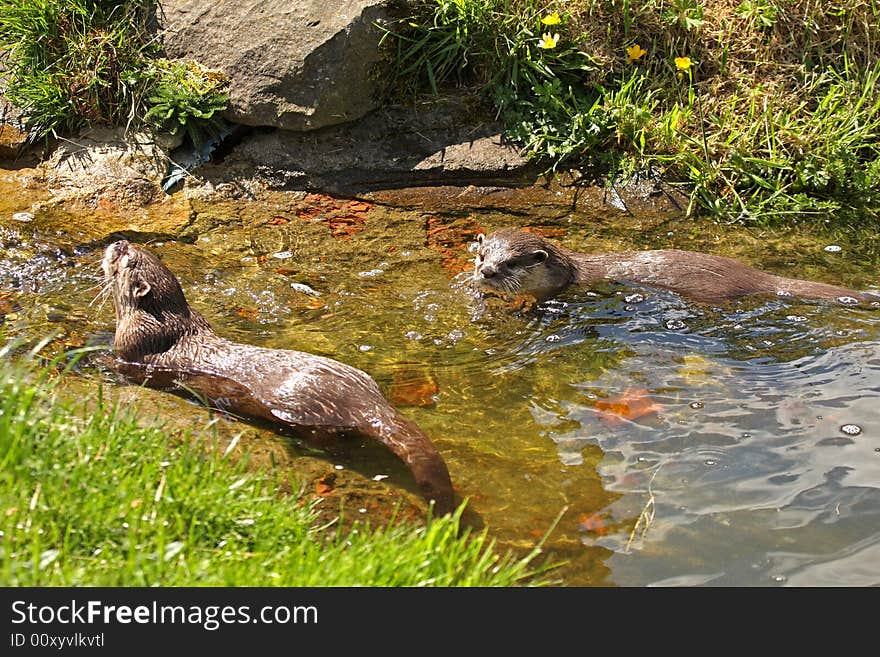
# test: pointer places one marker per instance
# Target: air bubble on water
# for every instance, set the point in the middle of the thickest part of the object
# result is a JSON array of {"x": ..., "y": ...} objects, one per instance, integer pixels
[
  {"x": 833, "y": 248},
  {"x": 552, "y": 338},
  {"x": 711, "y": 462},
  {"x": 796, "y": 318},
  {"x": 370, "y": 273},
  {"x": 696, "y": 404},
  {"x": 413, "y": 335},
  {"x": 675, "y": 324},
  {"x": 851, "y": 429},
  {"x": 365, "y": 347},
  {"x": 847, "y": 301},
  {"x": 746, "y": 435},
  {"x": 634, "y": 298},
  {"x": 282, "y": 255},
  {"x": 782, "y": 293},
  {"x": 779, "y": 578}
]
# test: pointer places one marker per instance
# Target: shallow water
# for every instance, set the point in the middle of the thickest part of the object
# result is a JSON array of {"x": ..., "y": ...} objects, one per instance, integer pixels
[{"x": 676, "y": 443}]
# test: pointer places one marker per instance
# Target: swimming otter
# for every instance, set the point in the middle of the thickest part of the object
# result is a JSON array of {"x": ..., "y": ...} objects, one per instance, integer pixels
[
  {"x": 520, "y": 262},
  {"x": 164, "y": 343}
]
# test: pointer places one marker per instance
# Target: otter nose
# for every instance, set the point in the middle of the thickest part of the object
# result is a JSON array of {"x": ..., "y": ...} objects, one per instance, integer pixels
[
  {"x": 488, "y": 271},
  {"x": 119, "y": 248}
]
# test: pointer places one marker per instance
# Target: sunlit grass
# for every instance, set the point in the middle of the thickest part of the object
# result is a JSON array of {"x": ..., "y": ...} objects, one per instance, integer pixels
[
  {"x": 763, "y": 112},
  {"x": 92, "y": 496},
  {"x": 72, "y": 64}
]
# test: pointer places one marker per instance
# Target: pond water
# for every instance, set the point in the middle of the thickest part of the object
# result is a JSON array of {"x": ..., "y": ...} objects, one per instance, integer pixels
[{"x": 653, "y": 440}]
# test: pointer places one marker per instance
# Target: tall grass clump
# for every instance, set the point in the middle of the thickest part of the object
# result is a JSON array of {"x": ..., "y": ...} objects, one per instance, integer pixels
[
  {"x": 763, "y": 111},
  {"x": 92, "y": 495},
  {"x": 73, "y": 64}
]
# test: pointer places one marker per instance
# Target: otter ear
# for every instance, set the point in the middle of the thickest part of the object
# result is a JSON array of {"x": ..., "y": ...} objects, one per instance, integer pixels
[
  {"x": 539, "y": 256},
  {"x": 480, "y": 238},
  {"x": 141, "y": 289}
]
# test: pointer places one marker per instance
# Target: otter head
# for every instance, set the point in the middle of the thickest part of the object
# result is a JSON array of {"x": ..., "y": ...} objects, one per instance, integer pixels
[
  {"x": 520, "y": 262},
  {"x": 151, "y": 311}
]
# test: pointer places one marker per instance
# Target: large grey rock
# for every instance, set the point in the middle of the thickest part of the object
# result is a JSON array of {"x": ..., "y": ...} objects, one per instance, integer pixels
[{"x": 293, "y": 64}]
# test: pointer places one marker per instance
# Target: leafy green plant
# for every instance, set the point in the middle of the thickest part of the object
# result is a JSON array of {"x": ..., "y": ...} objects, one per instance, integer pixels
[
  {"x": 189, "y": 98},
  {"x": 758, "y": 12},
  {"x": 687, "y": 14}
]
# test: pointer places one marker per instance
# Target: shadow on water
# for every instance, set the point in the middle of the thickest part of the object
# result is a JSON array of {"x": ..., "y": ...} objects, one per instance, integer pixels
[{"x": 681, "y": 443}]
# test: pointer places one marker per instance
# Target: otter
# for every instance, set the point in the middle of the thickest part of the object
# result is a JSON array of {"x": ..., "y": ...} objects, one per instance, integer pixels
[
  {"x": 162, "y": 342},
  {"x": 516, "y": 261}
]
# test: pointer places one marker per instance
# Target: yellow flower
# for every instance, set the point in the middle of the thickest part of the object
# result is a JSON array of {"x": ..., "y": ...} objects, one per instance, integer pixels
[
  {"x": 551, "y": 19},
  {"x": 634, "y": 53},
  {"x": 682, "y": 63},
  {"x": 548, "y": 41}
]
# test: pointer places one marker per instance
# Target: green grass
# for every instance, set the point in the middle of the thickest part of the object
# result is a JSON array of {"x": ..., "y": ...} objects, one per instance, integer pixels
[
  {"x": 91, "y": 496},
  {"x": 73, "y": 64},
  {"x": 774, "y": 116}
]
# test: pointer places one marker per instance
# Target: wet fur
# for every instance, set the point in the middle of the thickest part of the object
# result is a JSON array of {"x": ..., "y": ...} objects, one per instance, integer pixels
[
  {"x": 522, "y": 262},
  {"x": 163, "y": 342}
]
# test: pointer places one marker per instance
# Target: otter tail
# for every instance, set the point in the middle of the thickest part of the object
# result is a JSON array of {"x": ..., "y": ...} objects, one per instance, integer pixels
[{"x": 404, "y": 438}]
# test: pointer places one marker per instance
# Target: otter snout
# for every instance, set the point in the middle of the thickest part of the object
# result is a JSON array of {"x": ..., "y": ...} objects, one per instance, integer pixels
[
  {"x": 112, "y": 254},
  {"x": 488, "y": 271}
]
